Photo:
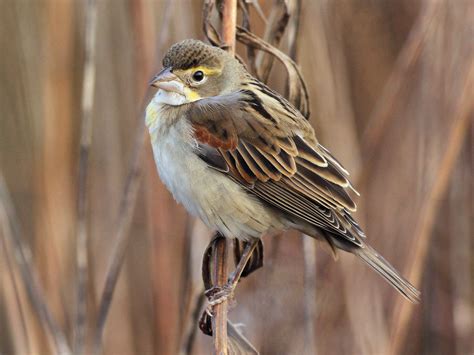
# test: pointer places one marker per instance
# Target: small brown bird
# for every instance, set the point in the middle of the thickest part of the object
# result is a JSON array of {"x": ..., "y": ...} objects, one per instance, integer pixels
[{"x": 239, "y": 156}]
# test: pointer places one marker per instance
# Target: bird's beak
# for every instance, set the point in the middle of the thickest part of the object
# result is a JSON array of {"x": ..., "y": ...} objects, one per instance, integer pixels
[{"x": 167, "y": 81}]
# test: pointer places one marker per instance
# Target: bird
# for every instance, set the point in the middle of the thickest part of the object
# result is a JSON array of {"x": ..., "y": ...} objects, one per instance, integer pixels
[{"x": 244, "y": 160}]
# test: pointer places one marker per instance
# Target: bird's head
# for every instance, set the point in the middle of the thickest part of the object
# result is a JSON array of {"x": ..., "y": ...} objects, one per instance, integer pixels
[{"x": 193, "y": 70}]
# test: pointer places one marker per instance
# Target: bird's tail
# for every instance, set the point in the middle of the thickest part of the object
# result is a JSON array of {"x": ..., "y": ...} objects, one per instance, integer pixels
[{"x": 388, "y": 272}]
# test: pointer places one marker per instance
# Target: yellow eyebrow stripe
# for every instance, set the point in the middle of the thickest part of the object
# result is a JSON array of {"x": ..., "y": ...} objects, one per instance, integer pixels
[{"x": 206, "y": 70}]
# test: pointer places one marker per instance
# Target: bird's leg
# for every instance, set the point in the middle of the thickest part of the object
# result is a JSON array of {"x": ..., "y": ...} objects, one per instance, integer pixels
[
  {"x": 256, "y": 259},
  {"x": 247, "y": 261},
  {"x": 218, "y": 294},
  {"x": 245, "y": 257}
]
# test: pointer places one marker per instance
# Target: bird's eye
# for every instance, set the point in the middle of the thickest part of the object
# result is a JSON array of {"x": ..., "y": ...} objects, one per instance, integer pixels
[{"x": 198, "y": 75}]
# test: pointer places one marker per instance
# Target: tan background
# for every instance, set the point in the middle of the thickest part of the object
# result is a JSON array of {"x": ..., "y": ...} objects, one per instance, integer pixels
[{"x": 391, "y": 87}]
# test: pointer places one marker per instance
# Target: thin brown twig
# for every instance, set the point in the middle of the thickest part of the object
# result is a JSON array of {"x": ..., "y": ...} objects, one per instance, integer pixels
[
  {"x": 194, "y": 300},
  {"x": 209, "y": 30},
  {"x": 294, "y": 28},
  {"x": 244, "y": 7},
  {"x": 298, "y": 93},
  {"x": 88, "y": 91},
  {"x": 462, "y": 119},
  {"x": 24, "y": 343},
  {"x": 187, "y": 294},
  {"x": 229, "y": 22},
  {"x": 121, "y": 239},
  {"x": 198, "y": 300},
  {"x": 382, "y": 113},
  {"x": 12, "y": 233},
  {"x": 127, "y": 205},
  {"x": 220, "y": 309},
  {"x": 258, "y": 9},
  {"x": 309, "y": 246},
  {"x": 309, "y": 252},
  {"x": 274, "y": 30}
]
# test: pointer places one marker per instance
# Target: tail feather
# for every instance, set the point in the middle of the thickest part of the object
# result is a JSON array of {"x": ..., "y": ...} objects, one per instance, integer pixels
[{"x": 388, "y": 272}]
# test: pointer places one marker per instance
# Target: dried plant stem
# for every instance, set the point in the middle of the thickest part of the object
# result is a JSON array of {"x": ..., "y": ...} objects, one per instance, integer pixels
[
  {"x": 382, "y": 114},
  {"x": 198, "y": 300},
  {"x": 294, "y": 28},
  {"x": 88, "y": 90},
  {"x": 462, "y": 119},
  {"x": 229, "y": 21},
  {"x": 194, "y": 300},
  {"x": 274, "y": 31},
  {"x": 309, "y": 250},
  {"x": 220, "y": 310},
  {"x": 121, "y": 239},
  {"x": 309, "y": 246},
  {"x": 22, "y": 341},
  {"x": 127, "y": 205},
  {"x": 11, "y": 232}
]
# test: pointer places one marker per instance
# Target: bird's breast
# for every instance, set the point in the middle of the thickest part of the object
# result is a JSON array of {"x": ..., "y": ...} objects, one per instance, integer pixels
[
  {"x": 178, "y": 166},
  {"x": 220, "y": 202}
]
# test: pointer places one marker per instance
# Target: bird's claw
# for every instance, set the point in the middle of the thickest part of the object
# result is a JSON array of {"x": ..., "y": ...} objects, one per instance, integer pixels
[
  {"x": 219, "y": 294},
  {"x": 215, "y": 296}
]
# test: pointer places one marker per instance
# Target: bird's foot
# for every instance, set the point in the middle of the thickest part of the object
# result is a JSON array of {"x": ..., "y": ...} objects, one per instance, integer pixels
[{"x": 219, "y": 294}]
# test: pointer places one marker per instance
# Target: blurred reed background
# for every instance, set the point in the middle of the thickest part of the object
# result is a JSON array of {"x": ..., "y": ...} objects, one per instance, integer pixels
[{"x": 391, "y": 87}]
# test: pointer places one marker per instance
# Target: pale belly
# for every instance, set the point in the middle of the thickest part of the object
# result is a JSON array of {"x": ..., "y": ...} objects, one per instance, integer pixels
[{"x": 221, "y": 203}]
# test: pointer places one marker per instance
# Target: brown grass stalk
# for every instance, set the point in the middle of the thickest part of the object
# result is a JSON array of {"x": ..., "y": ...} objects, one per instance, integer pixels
[
  {"x": 309, "y": 252},
  {"x": 387, "y": 82},
  {"x": 294, "y": 27},
  {"x": 196, "y": 301},
  {"x": 229, "y": 22},
  {"x": 88, "y": 91},
  {"x": 274, "y": 30},
  {"x": 129, "y": 198},
  {"x": 220, "y": 309},
  {"x": 14, "y": 301},
  {"x": 194, "y": 298},
  {"x": 12, "y": 234},
  {"x": 309, "y": 245},
  {"x": 462, "y": 119},
  {"x": 382, "y": 113},
  {"x": 119, "y": 249}
]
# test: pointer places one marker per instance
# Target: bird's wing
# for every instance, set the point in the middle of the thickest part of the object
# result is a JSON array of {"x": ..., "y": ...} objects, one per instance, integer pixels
[{"x": 262, "y": 142}]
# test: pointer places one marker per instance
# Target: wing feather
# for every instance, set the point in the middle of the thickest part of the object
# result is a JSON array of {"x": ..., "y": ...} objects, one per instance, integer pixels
[
  {"x": 259, "y": 173},
  {"x": 331, "y": 190},
  {"x": 276, "y": 159},
  {"x": 270, "y": 170},
  {"x": 308, "y": 153},
  {"x": 329, "y": 173},
  {"x": 242, "y": 167}
]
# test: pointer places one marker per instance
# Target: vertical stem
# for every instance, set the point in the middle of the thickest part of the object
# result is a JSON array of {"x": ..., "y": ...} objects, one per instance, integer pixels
[
  {"x": 229, "y": 19},
  {"x": 462, "y": 118},
  {"x": 309, "y": 250},
  {"x": 127, "y": 206},
  {"x": 88, "y": 90},
  {"x": 220, "y": 310},
  {"x": 12, "y": 234},
  {"x": 309, "y": 245},
  {"x": 125, "y": 215}
]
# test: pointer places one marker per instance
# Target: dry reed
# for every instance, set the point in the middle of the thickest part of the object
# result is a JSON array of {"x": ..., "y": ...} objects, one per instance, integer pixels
[{"x": 389, "y": 86}]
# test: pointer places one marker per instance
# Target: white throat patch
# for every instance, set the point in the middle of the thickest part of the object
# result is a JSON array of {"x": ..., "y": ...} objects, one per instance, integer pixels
[{"x": 169, "y": 98}]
